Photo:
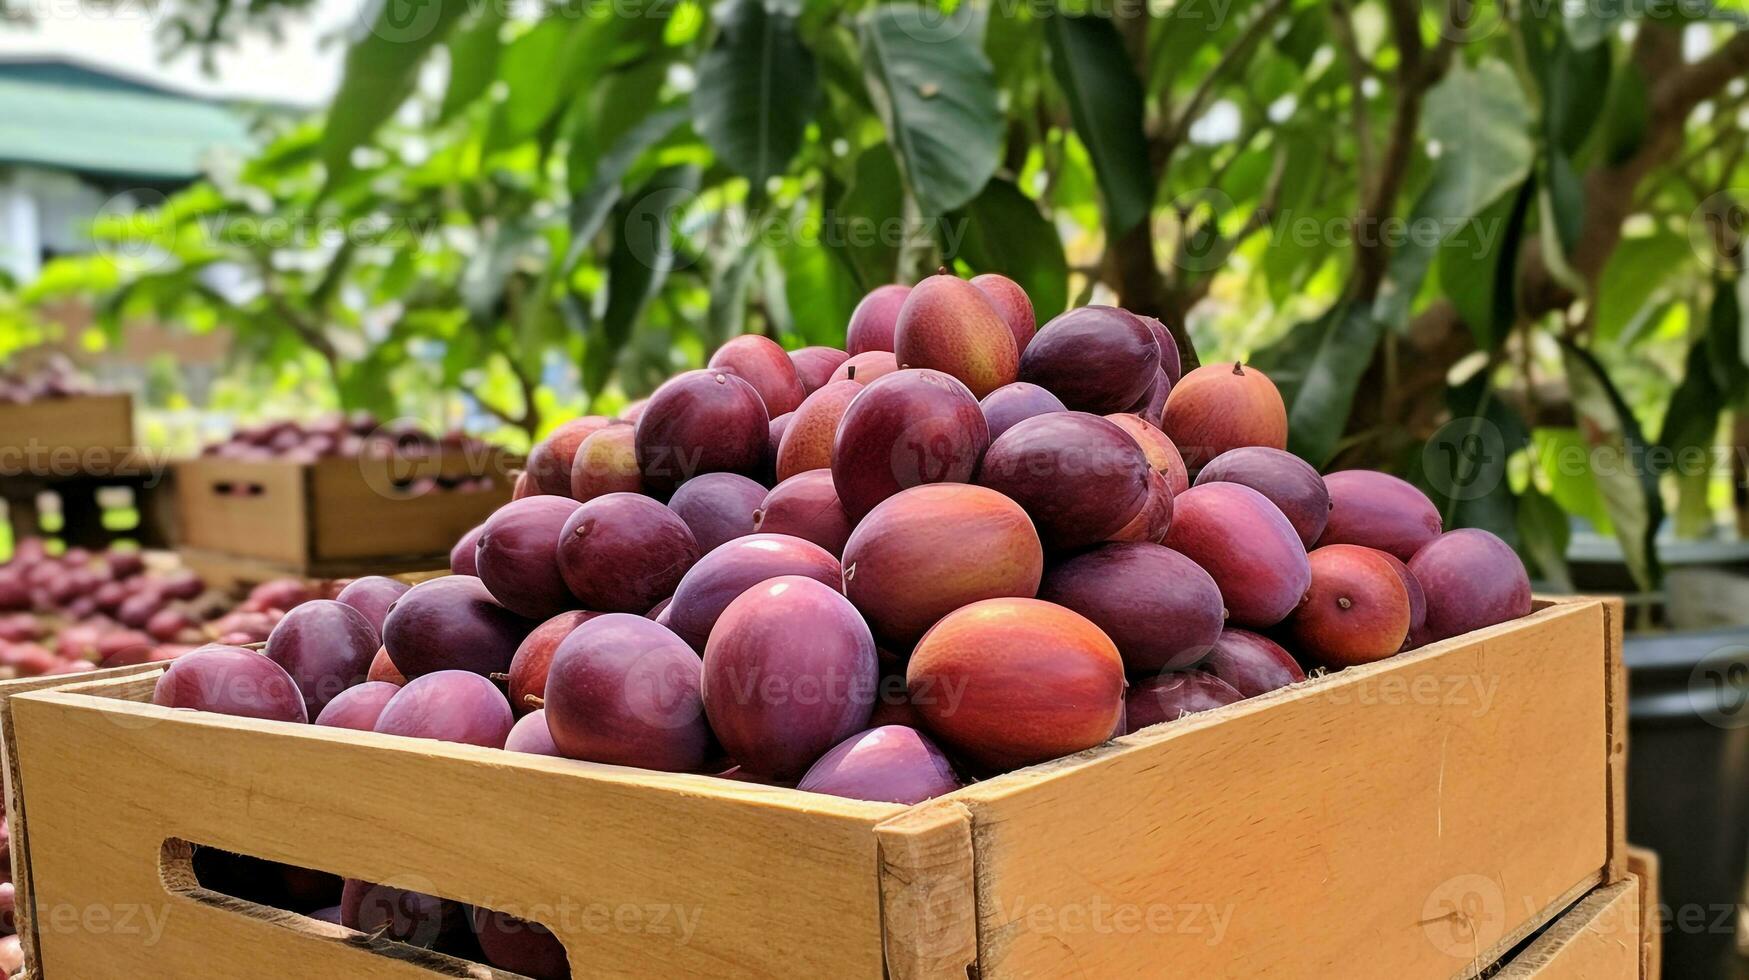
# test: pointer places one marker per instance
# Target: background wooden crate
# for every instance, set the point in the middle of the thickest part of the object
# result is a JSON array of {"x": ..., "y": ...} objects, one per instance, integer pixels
[
  {"x": 1602, "y": 937},
  {"x": 331, "y": 518},
  {"x": 97, "y": 430},
  {"x": 1419, "y": 817}
]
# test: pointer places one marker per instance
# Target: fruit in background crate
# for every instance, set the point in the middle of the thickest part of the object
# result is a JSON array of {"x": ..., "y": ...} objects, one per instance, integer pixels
[
  {"x": 867, "y": 367},
  {"x": 1472, "y": 580},
  {"x": 789, "y": 672},
  {"x": 907, "y": 429},
  {"x": 807, "y": 441},
  {"x": 1011, "y": 404},
  {"x": 280, "y": 593},
  {"x": 1377, "y": 510},
  {"x": 230, "y": 681},
  {"x": 1171, "y": 696},
  {"x": 949, "y": 325},
  {"x": 814, "y": 365},
  {"x": 461, "y": 557},
  {"x": 700, "y": 422},
  {"x": 1162, "y": 455},
  {"x": 451, "y": 623},
  {"x": 932, "y": 549},
  {"x": 875, "y": 320},
  {"x": 174, "y": 625},
  {"x": 607, "y": 462},
  {"x": 409, "y": 917},
  {"x": 1218, "y": 407},
  {"x": 886, "y": 764},
  {"x": 242, "y": 626},
  {"x": 760, "y": 362},
  {"x": 719, "y": 577},
  {"x": 1006, "y": 683},
  {"x": 625, "y": 691},
  {"x": 806, "y": 506},
  {"x": 517, "y": 559},
  {"x": 1290, "y": 483},
  {"x": 1079, "y": 477},
  {"x": 326, "y": 646},
  {"x": 14, "y": 591},
  {"x": 1247, "y": 546},
  {"x": 528, "y": 668},
  {"x": 624, "y": 553},
  {"x": 717, "y": 507},
  {"x": 520, "y": 946},
  {"x": 1251, "y": 663},
  {"x": 449, "y": 706},
  {"x": 551, "y": 459},
  {"x": 1097, "y": 359},
  {"x": 1357, "y": 611},
  {"x": 531, "y": 735},
  {"x": 372, "y": 596},
  {"x": 1160, "y": 608},
  {"x": 358, "y": 708},
  {"x": 139, "y": 608}
]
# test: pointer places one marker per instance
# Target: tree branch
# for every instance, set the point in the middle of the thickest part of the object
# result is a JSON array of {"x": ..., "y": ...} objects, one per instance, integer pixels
[{"x": 1248, "y": 39}]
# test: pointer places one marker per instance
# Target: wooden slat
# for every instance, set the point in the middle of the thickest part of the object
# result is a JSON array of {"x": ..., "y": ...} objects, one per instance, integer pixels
[
  {"x": 355, "y": 515},
  {"x": 1643, "y": 865},
  {"x": 929, "y": 913},
  {"x": 709, "y": 878},
  {"x": 116, "y": 680},
  {"x": 270, "y": 525},
  {"x": 1423, "y": 809},
  {"x": 97, "y": 429},
  {"x": 1598, "y": 939}
]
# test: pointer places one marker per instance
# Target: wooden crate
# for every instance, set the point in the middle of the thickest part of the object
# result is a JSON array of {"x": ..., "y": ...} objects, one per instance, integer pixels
[
  {"x": 242, "y": 521},
  {"x": 1602, "y": 937},
  {"x": 84, "y": 434},
  {"x": 1415, "y": 818}
]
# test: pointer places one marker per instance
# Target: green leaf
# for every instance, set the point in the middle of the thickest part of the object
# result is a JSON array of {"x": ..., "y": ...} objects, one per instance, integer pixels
[
  {"x": 381, "y": 69},
  {"x": 1003, "y": 231},
  {"x": 591, "y": 204},
  {"x": 1107, "y": 104},
  {"x": 1480, "y": 120},
  {"x": 473, "y": 59},
  {"x": 1727, "y": 338},
  {"x": 1619, "y": 462},
  {"x": 643, "y": 256},
  {"x": 1634, "y": 277},
  {"x": 1318, "y": 366},
  {"x": 1565, "y": 202},
  {"x": 1576, "y": 86},
  {"x": 1543, "y": 535},
  {"x": 1691, "y": 427},
  {"x": 1565, "y": 460},
  {"x": 1478, "y": 269},
  {"x": 865, "y": 226},
  {"x": 757, "y": 89},
  {"x": 1463, "y": 467},
  {"x": 935, "y": 91}
]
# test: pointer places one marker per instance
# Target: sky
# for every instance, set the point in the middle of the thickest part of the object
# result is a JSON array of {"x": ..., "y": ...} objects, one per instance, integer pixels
[{"x": 302, "y": 69}]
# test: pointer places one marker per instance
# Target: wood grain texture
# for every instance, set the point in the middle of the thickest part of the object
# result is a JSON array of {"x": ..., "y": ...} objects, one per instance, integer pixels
[
  {"x": 354, "y": 515},
  {"x": 635, "y": 871},
  {"x": 1428, "y": 809},
  {"x": 81, "y": 424},
  {"x": 1643, "y": 865},
  {"x": 928, "y": 911},
  {"x": 113, "y": 680},
  {"x": 1598, "y": 939},
  {"x": 1616, "y": 678},
  {"x": 245, "y": 508}
]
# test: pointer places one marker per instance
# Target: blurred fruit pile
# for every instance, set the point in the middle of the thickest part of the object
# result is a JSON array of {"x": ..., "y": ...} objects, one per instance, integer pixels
[
  {"x": 84, "y": 610},
  {"x": 340, "y": 437},
  {"x": 54, "y": 376},
  {"x": 957, "y": 548}
]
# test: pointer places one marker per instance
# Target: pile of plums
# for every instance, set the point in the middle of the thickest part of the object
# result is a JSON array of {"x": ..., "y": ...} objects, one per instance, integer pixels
[
  {"x": 958, "y": 547},
  {"x": 54, "y": 377},
  {"x": 82, "y": 610},
  {"x": 340, "y": 437}
]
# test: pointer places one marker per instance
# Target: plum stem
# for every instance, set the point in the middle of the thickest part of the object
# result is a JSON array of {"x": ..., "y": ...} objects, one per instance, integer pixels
[
  {"x": 534, "y": 700},
  {"x": 851, "y": 371},
  {"x": 1344, "y": 602},
  {"x": 503, "y": 678},
  {"x": 941, "y": 270},
  {"x": 1239, "y": 368}
]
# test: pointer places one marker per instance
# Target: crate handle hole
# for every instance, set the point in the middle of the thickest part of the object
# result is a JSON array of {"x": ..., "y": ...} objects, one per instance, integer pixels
[
  {"x": 402, "y": 923},
  {"x": 229, "y": 488}
]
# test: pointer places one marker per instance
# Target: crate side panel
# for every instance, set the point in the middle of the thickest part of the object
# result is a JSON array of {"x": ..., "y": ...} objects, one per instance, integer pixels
[
  {"x": 357, "y": 512},
  {"x": 241, "y": 508},
  {"x": 637, "y": 872},
  {"x": 1425, "y": 809},
  {"x": 1598, "y": 939}
]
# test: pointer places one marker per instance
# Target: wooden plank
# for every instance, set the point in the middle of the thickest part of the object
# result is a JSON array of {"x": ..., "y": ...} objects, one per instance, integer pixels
[
  {"x": 928, "y": 911},
  {"x": 1616, "y": 739},
  {"x": 1598, "y": 939},
  {"x": 696, "y": 876},
  {"x": 358, "y": 512},
  {"x": 250, "y": 509},
  {"x": 1278, "y": 836},
  {"x": 68, "y": 436},
  {"x": 1643, "y": 865},
  {"x": 112, "y": 680}
]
